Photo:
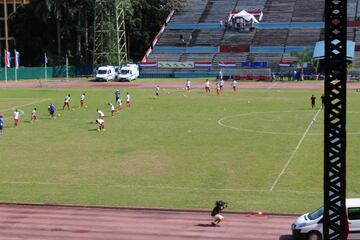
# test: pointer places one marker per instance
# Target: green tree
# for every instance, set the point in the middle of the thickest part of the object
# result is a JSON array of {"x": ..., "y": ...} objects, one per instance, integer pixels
[{"x": 302, "y": 57}]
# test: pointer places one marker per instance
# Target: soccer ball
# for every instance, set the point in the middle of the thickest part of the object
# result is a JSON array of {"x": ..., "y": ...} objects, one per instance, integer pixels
[
  {"x": 59, "y": 115},
  {"x": 72, "y": 109}
]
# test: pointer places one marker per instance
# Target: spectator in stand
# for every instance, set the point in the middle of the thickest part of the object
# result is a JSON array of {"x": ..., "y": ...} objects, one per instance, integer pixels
[{"x": 221, "y": 23}]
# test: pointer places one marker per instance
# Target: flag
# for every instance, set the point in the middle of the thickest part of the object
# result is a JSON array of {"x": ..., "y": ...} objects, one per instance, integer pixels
[
  {"x": 285, "y": 64},
  {"x": 45, "y": 59},
  {"x": 223, "y": 64},
  {"x": 17, "y": 59},
  {"x": 148, "y": 64},
  {"x": 202, "y": 64},
  {"x": 7, "y": 58}
]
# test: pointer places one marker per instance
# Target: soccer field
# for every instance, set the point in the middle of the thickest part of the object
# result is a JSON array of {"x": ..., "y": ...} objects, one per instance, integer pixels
[{"x": 260, "y": 150}]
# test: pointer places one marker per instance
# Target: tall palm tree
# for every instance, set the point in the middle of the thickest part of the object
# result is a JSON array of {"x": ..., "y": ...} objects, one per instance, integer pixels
[
  {"x": 302, "y": 58},
  {"x": 82, "y": 10},
  {"x": 58, "y": 9}
]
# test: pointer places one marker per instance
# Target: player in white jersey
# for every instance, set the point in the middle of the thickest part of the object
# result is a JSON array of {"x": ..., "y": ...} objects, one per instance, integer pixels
[
  {"x": 67, "y": 102},
  {"x": 101, "y": 124},
  {"x": 112, "y": 109},
  {"x": 82, "y": 100},
  {"x": 157, "y": 90},
  {"x": 234, "y": 85},
  {"x": 222, "y": 83},
  {"x": 119, "y": 105},
  {"x": 16, "y": 118},
  {"x": 218, "y": 89},
  {"x": 101, "y": 114},
  {"x": 127, "y": 99},
  {"x": 188, "y": 85},
  {"x": 33, "y": 115},
  {"x": 207, "y": 86}
]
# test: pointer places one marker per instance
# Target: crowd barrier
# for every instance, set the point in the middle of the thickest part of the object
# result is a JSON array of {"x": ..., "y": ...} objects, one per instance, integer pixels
[
  {"x": 52, "y": 72},
  {"x": 266, "y": 49},
  {"x": 289, "y": 25}
]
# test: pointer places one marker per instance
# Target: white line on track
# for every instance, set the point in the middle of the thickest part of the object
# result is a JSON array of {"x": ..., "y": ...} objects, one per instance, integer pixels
[
  {"x": 157, "y": 187},
  {"x": 294, "y": 152}
]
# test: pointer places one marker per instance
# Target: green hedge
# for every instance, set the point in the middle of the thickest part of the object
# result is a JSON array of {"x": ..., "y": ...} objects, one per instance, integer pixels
[{"x": 37, "y": 72}]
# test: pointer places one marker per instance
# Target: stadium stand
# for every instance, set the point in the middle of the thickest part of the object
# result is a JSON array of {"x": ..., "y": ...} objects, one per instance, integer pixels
[{"x": 286, "y": 26}]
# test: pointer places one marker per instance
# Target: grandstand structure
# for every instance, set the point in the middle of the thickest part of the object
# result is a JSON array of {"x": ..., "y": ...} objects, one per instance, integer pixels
[
  {"x": 196, "y": 33},
  {"x": 7, "y": 7}
]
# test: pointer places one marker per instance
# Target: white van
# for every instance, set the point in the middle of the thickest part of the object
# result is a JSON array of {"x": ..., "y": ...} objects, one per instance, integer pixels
[
  {"x": 309, "y": 226},
  {"x": 105, "y": 73},
  {"x": 128, "y": 72}
]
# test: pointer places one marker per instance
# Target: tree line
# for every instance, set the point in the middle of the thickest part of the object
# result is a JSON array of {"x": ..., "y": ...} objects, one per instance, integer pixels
[{"x": 65, "y": 27}]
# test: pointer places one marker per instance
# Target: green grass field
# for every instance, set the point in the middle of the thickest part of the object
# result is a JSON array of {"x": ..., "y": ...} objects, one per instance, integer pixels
[{"x": 177, "y": 151}]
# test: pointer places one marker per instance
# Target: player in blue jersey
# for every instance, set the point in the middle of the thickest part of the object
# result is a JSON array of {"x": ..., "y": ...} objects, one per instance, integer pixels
[{"x": 1, "y": 123}]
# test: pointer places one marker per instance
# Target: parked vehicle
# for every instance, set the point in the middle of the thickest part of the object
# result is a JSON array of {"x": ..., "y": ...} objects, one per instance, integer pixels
[
  {"x": 310, "y": 225},
  {"x": 128, "y": 73},
  {"x": 105, "y": 73}
]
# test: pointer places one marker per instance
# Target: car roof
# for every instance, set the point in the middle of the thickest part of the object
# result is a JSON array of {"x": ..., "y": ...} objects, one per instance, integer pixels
[{"x": 353, "y": 202}]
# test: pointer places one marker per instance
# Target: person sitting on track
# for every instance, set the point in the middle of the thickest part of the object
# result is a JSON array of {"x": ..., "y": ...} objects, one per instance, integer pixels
[{"x": 215, "y": 214}]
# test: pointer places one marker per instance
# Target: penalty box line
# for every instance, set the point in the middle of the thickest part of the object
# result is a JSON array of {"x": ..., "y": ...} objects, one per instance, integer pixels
[
  {"x": 27, "y": 104},
  {"x": 294, "y": 152}
]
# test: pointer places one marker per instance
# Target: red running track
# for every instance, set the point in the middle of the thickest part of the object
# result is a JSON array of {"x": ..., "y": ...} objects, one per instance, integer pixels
[{"x": 37, "y": 222}]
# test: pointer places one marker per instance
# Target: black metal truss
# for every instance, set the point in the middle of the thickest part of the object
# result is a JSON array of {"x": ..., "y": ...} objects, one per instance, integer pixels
[{"x": 335, "y": 220}]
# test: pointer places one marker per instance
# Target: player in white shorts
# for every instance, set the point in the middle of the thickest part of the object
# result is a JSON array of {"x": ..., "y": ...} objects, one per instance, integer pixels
[
  {"x": 119, "y": 103},
  {"x": 127, "y": 100},
  {"x": 112, "y": 109},
  {"x": 188, "y": 85},
  {"x": 222, "y": 83},
  {"x": 234, "y": 85},
  {"x": 207, "y": 86},
  {"x": 101, "y": 124},
  {"x": 157, "y": 90},
  {"x": 218, "y": 88},
  {"x": 82, "y": 100},
  {"x": 16, "y": 118},
  {"x": 67, "y": 102},
  {"x": 101, "y": 114},
  {"x": 33, "y": 115}
]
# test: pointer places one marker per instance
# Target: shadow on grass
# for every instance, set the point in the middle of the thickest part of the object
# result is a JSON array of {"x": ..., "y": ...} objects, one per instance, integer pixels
[{"x": 92, "y": 130}]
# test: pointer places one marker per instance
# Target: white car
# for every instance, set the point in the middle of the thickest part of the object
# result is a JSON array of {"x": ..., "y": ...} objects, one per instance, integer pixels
[
  {"x": 309, "y": 226},
  {"x": 128, "y": 72},
  {"x": 105, "y": 73}
]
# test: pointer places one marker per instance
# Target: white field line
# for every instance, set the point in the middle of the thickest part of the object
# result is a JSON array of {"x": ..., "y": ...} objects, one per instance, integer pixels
[
  {"x": 294, "y": 152},
  {"x": 27, "y": 104},
  {"x": 272, "y": 85},
  {"x": 156, "y": 187}
]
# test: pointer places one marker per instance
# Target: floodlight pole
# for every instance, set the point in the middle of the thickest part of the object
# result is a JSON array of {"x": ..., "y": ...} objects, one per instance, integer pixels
[{"x": 335, "y": 221}]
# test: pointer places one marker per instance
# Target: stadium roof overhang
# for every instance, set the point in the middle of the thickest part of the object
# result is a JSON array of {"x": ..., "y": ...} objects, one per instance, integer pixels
[{"x": 319, "y": 51}]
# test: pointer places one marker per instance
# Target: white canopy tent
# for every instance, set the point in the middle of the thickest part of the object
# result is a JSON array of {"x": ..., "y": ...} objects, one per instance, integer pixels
[{"x": 245, "y": 15}]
